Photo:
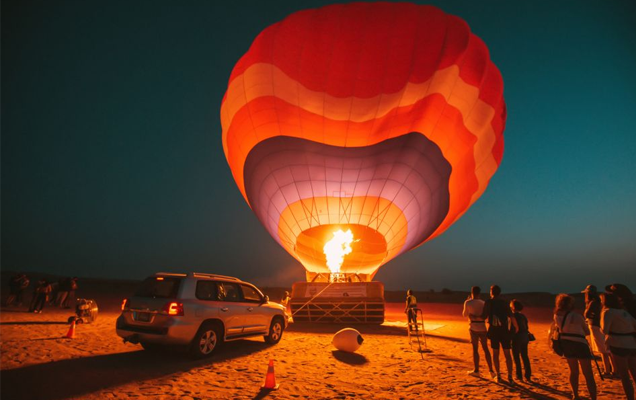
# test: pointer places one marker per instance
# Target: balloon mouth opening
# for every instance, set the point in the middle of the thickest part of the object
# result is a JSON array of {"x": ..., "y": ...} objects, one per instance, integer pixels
[{"x": 362, "y": 250}]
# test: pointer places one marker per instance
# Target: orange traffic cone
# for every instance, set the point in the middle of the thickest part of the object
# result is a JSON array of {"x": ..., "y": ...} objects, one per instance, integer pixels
[
  {"x": 71, "y": 331},
  {"x": 270, "y": 379}
]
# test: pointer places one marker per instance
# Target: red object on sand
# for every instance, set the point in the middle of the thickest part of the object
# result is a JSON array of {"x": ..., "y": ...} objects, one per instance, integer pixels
[
  {"x": 71, "y": 331},
  {"x": 270, "y": 378}
]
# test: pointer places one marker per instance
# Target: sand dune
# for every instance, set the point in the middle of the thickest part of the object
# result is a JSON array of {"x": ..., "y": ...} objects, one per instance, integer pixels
[{"x": 38, "y": 363}]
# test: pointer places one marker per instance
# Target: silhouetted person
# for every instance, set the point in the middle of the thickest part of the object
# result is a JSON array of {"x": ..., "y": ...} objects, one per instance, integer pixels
[
  {"x": 520, "y": 341},
  {"x": 17, "y": 285},
  {"x": 575, "y": 347},
  {"x": 473, "y": 309},
  {"x": 625, "y": 297},
  {"x": 499, "y": 317},
  {"x": 42, "y": 292},
  {"x": 24, "y": 285},
  {"x": 62, "y": 294},
  {"x": 285, "y": 300},
  {"x": 592, "y": 316},
  {"x": 620, "y": 328},
  {"x": 72, "y": 288},
  {"x": 409, "y": 309}
]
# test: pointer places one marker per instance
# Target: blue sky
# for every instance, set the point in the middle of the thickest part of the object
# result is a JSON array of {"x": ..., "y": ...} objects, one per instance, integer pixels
[{"x": 112, "y": 164}]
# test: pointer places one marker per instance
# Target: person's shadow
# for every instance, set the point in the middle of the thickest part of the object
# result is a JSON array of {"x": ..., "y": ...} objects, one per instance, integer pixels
[{"x": 78, "y": 376}]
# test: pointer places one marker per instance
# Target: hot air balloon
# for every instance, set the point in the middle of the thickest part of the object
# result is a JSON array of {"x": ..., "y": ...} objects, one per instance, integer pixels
[{"x": 356, "y": 132}]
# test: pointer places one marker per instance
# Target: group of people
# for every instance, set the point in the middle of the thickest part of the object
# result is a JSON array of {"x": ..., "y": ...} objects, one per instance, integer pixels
[
  {"x": 506, "y": 328},
  {"x": 17, "y": 287},
  {"x": 59, "y": 293},
  {"x": 609, "y": 319}
]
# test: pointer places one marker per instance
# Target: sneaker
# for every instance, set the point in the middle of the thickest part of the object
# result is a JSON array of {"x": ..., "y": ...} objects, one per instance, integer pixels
[{"x": 473, "y": 373}]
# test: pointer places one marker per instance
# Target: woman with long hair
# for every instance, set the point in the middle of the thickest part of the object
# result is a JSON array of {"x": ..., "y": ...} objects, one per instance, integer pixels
[
  {"x": 620, "y": 330},
  {"x": 576, "y": 350}
]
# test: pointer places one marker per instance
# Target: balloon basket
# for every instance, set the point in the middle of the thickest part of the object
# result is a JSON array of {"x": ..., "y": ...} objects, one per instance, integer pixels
[{"x": 329, "y": 302}]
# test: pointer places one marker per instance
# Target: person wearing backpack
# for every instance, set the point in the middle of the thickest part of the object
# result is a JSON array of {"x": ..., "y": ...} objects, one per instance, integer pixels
[
  {"x": 572, "y": 330},
  {"x": 592, "y": 316},
  {"x": 520, "y": 342},
  {"x": 620, "y": 330},
  {"x": 499, "y": 318}
]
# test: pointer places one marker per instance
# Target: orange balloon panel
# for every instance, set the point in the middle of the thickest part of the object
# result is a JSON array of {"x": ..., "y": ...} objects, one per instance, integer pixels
[{"x": 362, "y": 113}]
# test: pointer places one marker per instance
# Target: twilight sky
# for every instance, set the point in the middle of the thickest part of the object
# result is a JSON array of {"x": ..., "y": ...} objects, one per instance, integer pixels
[{"x": 112, "y": 164}]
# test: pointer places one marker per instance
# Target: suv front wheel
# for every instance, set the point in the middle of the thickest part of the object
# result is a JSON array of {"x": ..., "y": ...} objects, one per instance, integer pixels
[
  {"x": 206, "y": 341},
  {"x": 275, "y": 331}
]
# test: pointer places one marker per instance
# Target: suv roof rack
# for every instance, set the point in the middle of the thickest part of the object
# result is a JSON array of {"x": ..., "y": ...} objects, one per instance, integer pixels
[{"x": 204, "y": 275}]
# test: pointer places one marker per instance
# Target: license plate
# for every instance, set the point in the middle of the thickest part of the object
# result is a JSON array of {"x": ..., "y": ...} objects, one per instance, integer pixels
[{"x": 143, "y": 317}]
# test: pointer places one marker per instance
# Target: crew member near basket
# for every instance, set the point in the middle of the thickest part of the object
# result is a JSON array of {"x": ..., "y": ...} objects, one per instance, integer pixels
[{"x": 411, "y": 306}]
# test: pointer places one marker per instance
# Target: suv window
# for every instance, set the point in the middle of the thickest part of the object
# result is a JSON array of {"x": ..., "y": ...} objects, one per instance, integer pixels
[
  {"x": 250, "y": 294},
  {"x": 207, "y": 290},
  {"x": 229, "y": 291},
  {"x": 163, "y": 287}
]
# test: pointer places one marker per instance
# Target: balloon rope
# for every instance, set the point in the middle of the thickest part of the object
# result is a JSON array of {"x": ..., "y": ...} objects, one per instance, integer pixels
[{"x": 310, "y": 300}]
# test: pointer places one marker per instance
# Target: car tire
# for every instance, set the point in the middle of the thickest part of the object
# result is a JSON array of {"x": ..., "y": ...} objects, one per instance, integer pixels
[
  {"x": 275, "y": 331},
  {"x": 208, "y": 338}
]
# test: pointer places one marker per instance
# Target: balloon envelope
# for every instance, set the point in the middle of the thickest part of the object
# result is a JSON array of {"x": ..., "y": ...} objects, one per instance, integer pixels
[{"x": 383, "y": 118}]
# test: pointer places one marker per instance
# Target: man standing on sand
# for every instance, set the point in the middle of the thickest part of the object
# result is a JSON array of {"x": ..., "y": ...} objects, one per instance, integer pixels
[
  {"x": 499, "y": 317},
  {"x": 409, "y": 309},
  {"x": 473, "y": 308}
]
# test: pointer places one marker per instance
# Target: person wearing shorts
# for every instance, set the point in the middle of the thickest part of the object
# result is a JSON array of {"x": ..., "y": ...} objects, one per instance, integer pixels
[
  {"x": 473, "y": 308},
  {"x": 575, "y": 347},
  {"x": 499, "y": 317},
  {"x": 593, "y": 318},
  {"x": 620, "y": 328}
]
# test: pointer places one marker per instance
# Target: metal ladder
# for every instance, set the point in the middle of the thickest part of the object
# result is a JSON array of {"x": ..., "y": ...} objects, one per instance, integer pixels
[{"x": 417, "y": 332}]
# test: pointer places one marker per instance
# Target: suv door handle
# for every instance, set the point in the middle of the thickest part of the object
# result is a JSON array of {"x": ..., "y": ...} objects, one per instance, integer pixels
[
  {"x": 224, "y": 309},
  {"x": 250, "y": 308}
]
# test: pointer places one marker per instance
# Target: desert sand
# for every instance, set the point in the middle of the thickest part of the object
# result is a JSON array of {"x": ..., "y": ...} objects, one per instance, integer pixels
[{"x": 39, "y": 363}]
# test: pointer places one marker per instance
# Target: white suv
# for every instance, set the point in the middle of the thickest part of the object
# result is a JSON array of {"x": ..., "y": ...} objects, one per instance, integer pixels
[{"x": 200, "y": 311}]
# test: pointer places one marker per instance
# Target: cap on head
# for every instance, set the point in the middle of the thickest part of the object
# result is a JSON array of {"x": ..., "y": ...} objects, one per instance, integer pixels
[{"x": 590, "y": 289}]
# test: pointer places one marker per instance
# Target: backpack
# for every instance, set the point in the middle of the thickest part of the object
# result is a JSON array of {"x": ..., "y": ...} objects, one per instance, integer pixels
[{"x": 555, "y": 336}]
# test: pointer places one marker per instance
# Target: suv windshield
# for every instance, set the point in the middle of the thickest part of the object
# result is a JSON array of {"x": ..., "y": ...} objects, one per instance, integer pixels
[{"x": 159, "y": 287}]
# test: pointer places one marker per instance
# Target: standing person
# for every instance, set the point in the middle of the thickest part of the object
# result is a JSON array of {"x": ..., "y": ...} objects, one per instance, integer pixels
[
  {"x": 499, "y": 318},
  {"x": 14, "y": 287},
  {"x": 62, "y": 294},
  {"x": 42, "y": 293},
  {"x": 593, "y": 318},
  {"x": 24, "y": 285},
  {"x": 285, "y": 300},
  {"x": 34, "y": 298},
  {"x": 520, "y": 341},
  {"x": 620, "y": 328},
  {"x": 575, "y": 347},
  {"x": 473, "y": 308},
  {"x": 625, "y": 297},
  {"x": 409, "y": 309},
  {"x": 72, "y": 287}
]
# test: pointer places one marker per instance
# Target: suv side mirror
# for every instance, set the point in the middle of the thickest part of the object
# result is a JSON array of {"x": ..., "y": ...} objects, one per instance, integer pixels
[{"x": 265, "y": 299}]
